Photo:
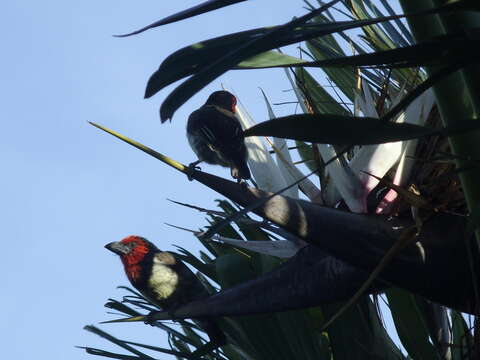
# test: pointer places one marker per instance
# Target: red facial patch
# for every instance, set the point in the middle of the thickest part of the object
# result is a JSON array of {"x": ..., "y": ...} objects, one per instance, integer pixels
[
  {"x": 234, "y": 104},
  {"x": 132, "y": 260}
]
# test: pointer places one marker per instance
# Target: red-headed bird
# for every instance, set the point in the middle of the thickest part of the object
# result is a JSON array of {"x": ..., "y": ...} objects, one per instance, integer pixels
[
  {"x": 216, "y": 136},
  {"x": 164, "y": 280}
]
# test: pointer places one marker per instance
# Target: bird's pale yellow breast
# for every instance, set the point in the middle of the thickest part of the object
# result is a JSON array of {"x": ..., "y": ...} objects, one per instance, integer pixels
[{"x": 163, "y": 280}]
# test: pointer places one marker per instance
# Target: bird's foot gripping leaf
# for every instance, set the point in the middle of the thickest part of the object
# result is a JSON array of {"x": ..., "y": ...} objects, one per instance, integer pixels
[
  {"x": 192, "y": 167},
  {"x": 242, "y": 182},
  {"x": 149, "y": 318}
]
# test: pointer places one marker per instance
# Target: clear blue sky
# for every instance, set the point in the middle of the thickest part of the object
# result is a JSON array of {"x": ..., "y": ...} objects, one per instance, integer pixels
[{"x": 67, "y": 188}]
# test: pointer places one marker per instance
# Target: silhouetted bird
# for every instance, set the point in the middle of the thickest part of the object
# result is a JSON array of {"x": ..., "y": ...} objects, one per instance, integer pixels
[{"x": 216, "y": 136}]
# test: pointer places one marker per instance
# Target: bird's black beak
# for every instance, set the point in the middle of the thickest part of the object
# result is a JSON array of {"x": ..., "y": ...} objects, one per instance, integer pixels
[{"x": 117, "y": 247}]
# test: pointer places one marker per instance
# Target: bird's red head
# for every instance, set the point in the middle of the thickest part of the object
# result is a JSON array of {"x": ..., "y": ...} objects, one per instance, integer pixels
[
  {"x": 223, "y": 99},
  {"x": 133, "y": 251}
]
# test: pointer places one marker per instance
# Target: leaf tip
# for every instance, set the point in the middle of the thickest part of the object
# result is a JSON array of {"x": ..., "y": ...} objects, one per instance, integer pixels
[
  {"x": 165, "y": 115},
  {"x": 152, "y": 85},
  {"x": 94, "y": 124},
  {"x": 148, "y": 92},
  {"x": 128, "y": 34}
]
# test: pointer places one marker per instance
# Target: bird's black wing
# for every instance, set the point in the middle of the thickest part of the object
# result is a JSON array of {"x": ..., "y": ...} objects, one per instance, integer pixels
[
  {"x": 216, "y": 136},
  {"x": 217, "y": 127}
]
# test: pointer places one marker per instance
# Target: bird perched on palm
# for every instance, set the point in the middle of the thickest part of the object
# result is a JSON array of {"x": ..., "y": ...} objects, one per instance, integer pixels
[
  {"x": 216, "y": 136},
  {"x": 165, "y": 281}
]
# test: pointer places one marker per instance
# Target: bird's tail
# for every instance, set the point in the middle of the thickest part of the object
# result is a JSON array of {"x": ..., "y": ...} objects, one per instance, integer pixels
[
  {"x": 240, "y": 170},
  {"x": 214, "y": 332},
  {"x": 216, "y": 335}
]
